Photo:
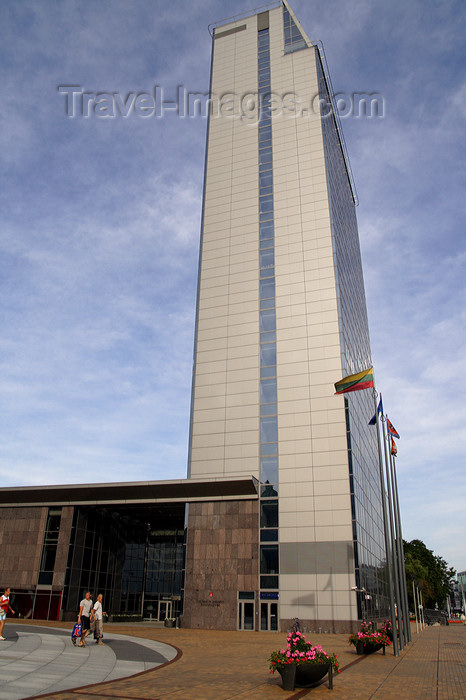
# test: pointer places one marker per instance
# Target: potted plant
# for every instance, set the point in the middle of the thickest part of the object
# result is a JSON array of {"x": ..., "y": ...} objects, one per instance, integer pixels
[
  {"x": 301, "y": 664},
  {"x": 387, "y": 626},
  {"x": 170, "y": 622},
  {"x": 369, "y": 640}
]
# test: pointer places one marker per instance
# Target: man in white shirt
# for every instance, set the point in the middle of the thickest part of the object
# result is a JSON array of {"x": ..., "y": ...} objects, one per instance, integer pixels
[
  {"x": 85, "y": 616},
  {"x": 4, "y": 607},
  {"x": 98, "y": 614}
]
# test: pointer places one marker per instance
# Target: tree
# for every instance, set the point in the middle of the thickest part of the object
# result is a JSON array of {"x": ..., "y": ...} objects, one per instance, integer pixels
[{"x": 429, "y": 572}]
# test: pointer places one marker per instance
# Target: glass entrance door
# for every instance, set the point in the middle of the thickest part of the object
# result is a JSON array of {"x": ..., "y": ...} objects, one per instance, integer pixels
[
  {"x": 165, "y": 610},
  {"x": 269, "y": 616},
  {"x": 245, "y": 615},
  {"x": 150, "y": 609}
]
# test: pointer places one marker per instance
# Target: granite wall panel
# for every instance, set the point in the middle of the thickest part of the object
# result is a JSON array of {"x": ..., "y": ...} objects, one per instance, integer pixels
[
  {"x": 222, "y": 558},
  {"x": 21, "y": 538}
]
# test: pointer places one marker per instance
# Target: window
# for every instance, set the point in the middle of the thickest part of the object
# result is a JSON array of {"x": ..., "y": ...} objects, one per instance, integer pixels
[
  {"x": 294, "y": 40},
  {"x": 269, "y": 470},
  {"x": 268, "y": 354},
  {"x": 267, "y": 288},
  {"x": 269, "y": 514},
  {"x": 268, "y": 373},
  {"x": 268, "y": 337},
  {"x": 268, "y": 391},
  {"x": 269, "y": 559},
  {"x": 266, "y": 203},
  {"x": 269, "y": 429},
  {"x": 269, "y": 448},
  {"x": 267, "y": 304},
  {"x": 265, "y": 178},
  {"x": 269, "y": 535},
  {"x": 267, "y": 320}
]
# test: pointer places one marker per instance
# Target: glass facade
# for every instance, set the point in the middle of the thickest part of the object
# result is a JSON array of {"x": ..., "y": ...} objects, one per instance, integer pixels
[
  {"x": 132, "y": 555},
  {"x": 294, "y": 40},
  {"x": 269, "y": 561},
  {"x": 366, "y": 504}
]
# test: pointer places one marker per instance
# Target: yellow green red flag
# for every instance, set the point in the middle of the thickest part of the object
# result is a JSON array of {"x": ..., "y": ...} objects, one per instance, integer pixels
[{"x": 355, "y": 382}]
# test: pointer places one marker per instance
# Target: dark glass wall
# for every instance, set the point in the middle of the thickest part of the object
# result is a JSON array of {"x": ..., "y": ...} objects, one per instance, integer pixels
[
  {"x": 132, "y": 555},
  {"x": 368, "y": 532}
]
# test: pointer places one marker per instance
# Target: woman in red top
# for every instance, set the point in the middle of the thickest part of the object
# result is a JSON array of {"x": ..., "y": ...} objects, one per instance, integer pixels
[{"x": 4, "y": 607}]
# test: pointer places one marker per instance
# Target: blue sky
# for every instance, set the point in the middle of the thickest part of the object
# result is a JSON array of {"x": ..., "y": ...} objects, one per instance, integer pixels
[{"x": 100, "y": 232}]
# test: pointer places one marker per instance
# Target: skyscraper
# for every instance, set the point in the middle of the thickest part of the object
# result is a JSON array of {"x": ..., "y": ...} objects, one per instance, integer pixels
[{"x": 281, "y": 316}]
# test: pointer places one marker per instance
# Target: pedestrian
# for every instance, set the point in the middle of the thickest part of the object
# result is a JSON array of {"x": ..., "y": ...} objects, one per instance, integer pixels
[
  {"x": 99, "y": 623},
  {"x": 4, "y": 607},
  {"x": 85, "y": 616}
]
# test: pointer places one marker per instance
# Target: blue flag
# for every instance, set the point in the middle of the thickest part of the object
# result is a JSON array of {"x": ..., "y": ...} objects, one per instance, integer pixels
[{"x": 373, "y": 420}]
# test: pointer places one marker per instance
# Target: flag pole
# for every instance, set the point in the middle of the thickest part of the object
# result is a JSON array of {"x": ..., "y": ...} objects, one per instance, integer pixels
[
  {"x": 400, "y": 548},
  {"x": 415, "y": 605},
  {"x": 385, "y": 522},
  {"x": 401, "y": 618}
]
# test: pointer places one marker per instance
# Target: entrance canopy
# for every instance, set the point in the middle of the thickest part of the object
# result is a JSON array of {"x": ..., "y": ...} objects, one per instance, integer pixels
[{"x": 180, "y": 490}]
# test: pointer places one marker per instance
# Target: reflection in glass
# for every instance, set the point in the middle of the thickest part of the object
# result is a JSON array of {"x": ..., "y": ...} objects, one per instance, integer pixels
[{"x": 269, "y": 491}]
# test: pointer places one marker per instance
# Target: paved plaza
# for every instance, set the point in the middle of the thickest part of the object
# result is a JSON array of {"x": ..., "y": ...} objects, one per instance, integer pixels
[{"x": 183, "y": 664}]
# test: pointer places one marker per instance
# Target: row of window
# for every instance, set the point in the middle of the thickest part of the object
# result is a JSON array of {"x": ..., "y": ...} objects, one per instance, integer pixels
[{"x": 267, "y": 323}]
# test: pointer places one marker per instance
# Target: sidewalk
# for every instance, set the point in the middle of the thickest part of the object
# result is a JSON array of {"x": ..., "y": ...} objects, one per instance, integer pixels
[
  {"x": 40, "y": 659},
  {"x": 223, "y": 665}
]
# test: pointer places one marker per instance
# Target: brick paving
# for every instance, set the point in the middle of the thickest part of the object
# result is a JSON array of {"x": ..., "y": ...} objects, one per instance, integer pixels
[{"x": 223, "y": 665}]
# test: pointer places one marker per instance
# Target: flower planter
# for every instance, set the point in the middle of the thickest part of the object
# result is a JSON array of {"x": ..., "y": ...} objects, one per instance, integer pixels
[
  {"x": 169, "y": 623},
  {"x": 302, "y": 665},
  {"x": 304, "y": 675},
  {"x": 362, "y": 648},
  {"x": 288, "y": 674},
  {"x": 309, "y": 674}
]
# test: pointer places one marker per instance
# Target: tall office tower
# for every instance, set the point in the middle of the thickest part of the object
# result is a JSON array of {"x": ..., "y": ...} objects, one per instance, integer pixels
[{"x": 281, "y": 316}]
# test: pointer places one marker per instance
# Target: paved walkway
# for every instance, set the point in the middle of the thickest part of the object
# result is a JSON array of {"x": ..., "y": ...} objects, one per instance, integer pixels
[
  {"x": 35, "y": 660},
  {"x": 225, "y": 665}
]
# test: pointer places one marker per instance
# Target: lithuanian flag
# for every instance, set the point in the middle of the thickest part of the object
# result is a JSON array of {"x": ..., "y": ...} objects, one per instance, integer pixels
[{"x": 355, "y": 382}]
